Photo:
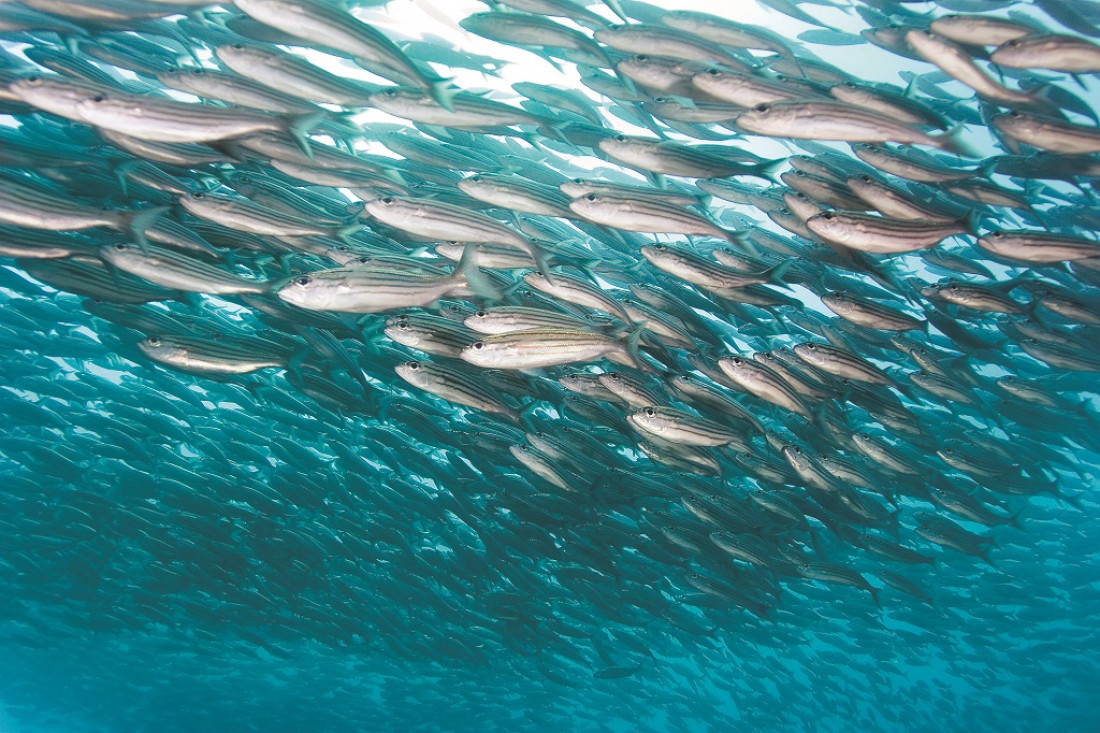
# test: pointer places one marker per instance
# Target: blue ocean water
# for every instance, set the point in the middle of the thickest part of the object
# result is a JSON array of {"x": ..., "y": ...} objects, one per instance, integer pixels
[{"x": 318, "y": 545}]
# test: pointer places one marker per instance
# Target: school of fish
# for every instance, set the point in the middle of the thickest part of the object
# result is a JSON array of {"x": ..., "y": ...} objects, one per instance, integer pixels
[{"x": 662, "y": 371}]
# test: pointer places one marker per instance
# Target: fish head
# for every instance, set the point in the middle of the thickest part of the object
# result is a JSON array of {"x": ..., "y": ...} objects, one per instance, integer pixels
[
  {"x": 414, "y": 373},
  {"x": 830, "y": 226},
  {"x": 403, "y": 332},
  {"x": 198, "y": 202},
  {"x": 483, "y": 354},
  {"x": 651, "y": 420},
  {"x": 159, "y": 348},
  {"x": 610, "y": 33},
  {"x": 799, "y": 461},
  {"x": 592, "y": 204},
  {"x": 105, "y": 110},
  {"x": 809, "y": 352},
  {"x": 118, "y": 253},
  {"x": 52, "y": 95},
  {"x": 575, "y": 188},
  {"x": 472, "y": 184},
  {"x": 314, "y": 291},
  {"x": 398, "y": 101},
  {"x": 388, "y": 209}
]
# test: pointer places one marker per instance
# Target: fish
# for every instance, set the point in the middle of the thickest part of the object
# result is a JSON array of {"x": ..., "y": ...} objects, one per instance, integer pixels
[
  {"x": 601, "y": 353},
  {"x": 454, "y": 386},
  {"x": 324, "y": 24},
  {"x": 369, "y": 289},
  {"x": 879, "y": 234},
  {"x": 544, "y": 347},
  {"x": 831, "y": 120}
]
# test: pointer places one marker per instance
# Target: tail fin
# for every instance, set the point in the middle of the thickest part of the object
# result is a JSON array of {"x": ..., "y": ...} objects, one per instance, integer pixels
[
  {"x": 952, "y": 142},
  {"x": 344, "y": 233},
  {"x": 770, "y": 169},
  {"x": 632, "y": 348},
  {"x": 617, "y": 9},
  {"x": 542, "y": 262},
  {"x": 775, "y": 274},
  {"x": 138, "y": 221},
  {"x": 299, "y": 127},
  {"x": 443, "y": 92},
  {"x": 468, "y": 273}
]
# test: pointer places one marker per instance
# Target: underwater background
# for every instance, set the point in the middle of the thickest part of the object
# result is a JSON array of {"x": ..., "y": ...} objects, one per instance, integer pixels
[{"x": 282, "y": 530}]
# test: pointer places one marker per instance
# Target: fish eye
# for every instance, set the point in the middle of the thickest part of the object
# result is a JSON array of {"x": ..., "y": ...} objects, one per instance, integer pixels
[
  {"x": 153, "y": 341},
  {"x": 303, "y": 281},
  {"x": 198, "y": 195},
  {"x": 737, "y": 360},
  {"x": 660, "y": 100},
  {"x": 120, "y": 247},
  {"x": 481, "y": 314},
  {"x": 475, "y": 177},
  {"x": 650, "y": 412},
  {"x": 590, "y": 197},
  {"x": 387, "y": 200},
  {"x": 99, "y": 98},
  {"x": 35, "y": 79},
  {"x": 414, "y": 366},
  {"x": 762, "y": 107},
  {"x": 641, "y": 57},
  {"x": 198, "y": 72},
  {"x": 614, "y": 376},
  {"x": 953, "y": 287},
  {"x": 714, "y": 72},
  {"x": 238, "y": 46},
  {"x": 865, "y": 179},
  {"x": 343, "y": 248},
  {"x": 997, "y": 234},
  {"x": 477, "y": 345}
]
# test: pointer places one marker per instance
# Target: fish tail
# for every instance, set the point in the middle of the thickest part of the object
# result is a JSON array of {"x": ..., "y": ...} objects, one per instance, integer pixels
[
  {"x": 469, "y": 273},
  {"x": 617, "y": 9},
  {"x": 542, "y": 262},
  {"x": 770, "y": 169},
  {"x": 394, "y": 175},
  {"x": 733, "y": 236},
  {"x": 137, "y": 222},
  {"x": 299, "y": 128},
  {"x": 344, "y": 233},
  {"x": 952, "y": 142},
  {"x": 120, "y": 174},
  {"x": 443, "y": 91},
  {"x": 775, "y": 274},
  {"x": 633, "y": 350}
]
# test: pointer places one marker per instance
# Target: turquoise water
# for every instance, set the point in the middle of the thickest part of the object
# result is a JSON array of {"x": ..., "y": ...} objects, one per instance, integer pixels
[{"x": 319, "y": 545}]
